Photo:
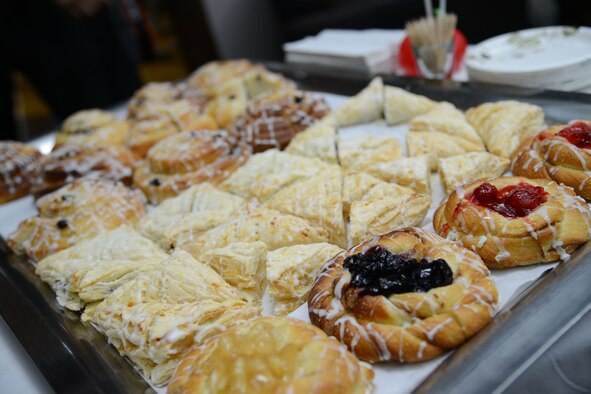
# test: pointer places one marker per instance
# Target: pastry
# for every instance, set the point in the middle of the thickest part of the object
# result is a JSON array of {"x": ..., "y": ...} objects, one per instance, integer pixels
[
  {"x": 291, "y": 272},
  {"x": 367, "y": 106},
  {"x": 160, "y": 120},
  {"x": 265, "y": 173},
  {"x": 20, "y": 170},
  {"x": 375, "y": 207},
  {"x": 212, "y": 75},
  {"x": 197, "y": 209},
  {"x": 230, "y": 101},
  {"x": 164, "y": 313},
  {"x": 188, "y": 158},
  {"x": 474, "y": 166},
  {"x": 360, "y": 153},
  {"x": 92, "y": 128},
  {"x": 273, "y": 228},
  {"x": 442, "y": 132},
  {"x": 260, "y": 82},
  {"x": 318, "y": 141},
  {"x": 242, "y": 265},
  {"x": 406, "y": 296},
  {"x": 319, "y": 199},
  {"x": 70, "y": 162},
  {"x": 77, "y": 211},
  {"x": 400, "y": 106},
  {"x": 561, "y": 153},
  {"x": 90, "y": 270},
  {"x": 272, "y": 121},
  {"x": 513, "y": 221},
  {"x": 411, "y": 172},
  {"x": 272, "y": 355},
  {"x": 151, "y": 99},
  {"x": 504, "y": 125}
]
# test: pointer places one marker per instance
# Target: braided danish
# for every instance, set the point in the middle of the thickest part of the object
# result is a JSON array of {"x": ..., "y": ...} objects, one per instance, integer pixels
[
  {"x": 405, "y": 296},
  {"x": 77, "y": 211},
  {"x": 189, "y": 158},
  {"x": 92, "y": 127},
  {"x": 20, "y": 170},
  {"x": 513, "y": 221},
  {"x": 561, "y": 153}
]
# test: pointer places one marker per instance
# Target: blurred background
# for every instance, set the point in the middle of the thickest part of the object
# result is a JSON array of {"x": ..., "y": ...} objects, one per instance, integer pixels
[{"x": 59, "y": 56}]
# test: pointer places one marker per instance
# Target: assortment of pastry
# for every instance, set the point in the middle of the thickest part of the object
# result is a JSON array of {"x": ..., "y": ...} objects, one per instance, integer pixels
[{"x": 262, "y": 202}]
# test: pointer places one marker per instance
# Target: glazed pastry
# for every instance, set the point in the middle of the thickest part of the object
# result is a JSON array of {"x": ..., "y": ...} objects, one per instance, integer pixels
[
  {"x": 411, "y": 172},
  {"x": 361, "y": 153},
  {"x": 242, "y": 265},
  {"x": 561, "y": 153},
  {"x": 77, "y": 211},
  {"x": 475, "y": 166},
  {"x": 162, "y": 314},
  {"x": 265, "y": 173},
  {"x": 212, "y": 75},
  {"x": 161, "y": 120},
  {"x": 272, "y": 122},
  {"x": 317, "y": 141},
  {"x": 149, "y": 94},
  {"x": 376, "y": 207},
  {"x": 231, "y": 101},
  {"x": 367, "y": 106},
  {"x": 90, "y": 270},
  {"x": 92, "y": 128},
  {"x": 400, "y": 106},
  {"x": 70, "y": 162},
  {"x": 192, "y": 212},
  {"x": 514, "y": 221},
  {"x": 442, "y": 132},
  {"x": 291, "y": 272},
  {"x": 20, "y": 170},
  {"x": 504, "y": 125},
  {"x": 318, "y": 199},
  {"x": 273, "y": 228},
  {"x": 406, "y": 296},
  {"x": 189, "y": 158},
  {"x": 260, "y": 82},
  {"x": 272, "y": 355}
]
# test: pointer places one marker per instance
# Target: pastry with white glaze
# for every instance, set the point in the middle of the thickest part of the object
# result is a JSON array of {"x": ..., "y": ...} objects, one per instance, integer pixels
[
  {"x": 474, "y": 166},
  {"x": 367, "y": 106},
  {"x": 400, "y": 106}
]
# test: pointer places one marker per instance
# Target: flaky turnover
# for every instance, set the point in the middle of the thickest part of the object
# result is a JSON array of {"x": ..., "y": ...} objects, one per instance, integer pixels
[
  {"x": 513, "y": 221},
  {"x": 561, "y": 153},
  {"x": 272, "y": 355},
  {"x": 77, "y": 211},
  {"x": 406, "y": 296},
  {"x": 400, "y": 106},
  {"x": 189, "y": 158},
  {"x": 366, "y": 106},
  {"x": 474, "y": 166}
]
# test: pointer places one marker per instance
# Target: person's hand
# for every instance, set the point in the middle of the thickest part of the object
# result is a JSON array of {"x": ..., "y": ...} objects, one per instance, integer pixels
[{"x": 81, "y": 9}]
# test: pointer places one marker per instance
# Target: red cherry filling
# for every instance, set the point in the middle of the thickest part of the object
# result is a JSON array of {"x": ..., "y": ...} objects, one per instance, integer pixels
[
  {"x": 511, "y": 201},
  {"x": 578, "y": 134}
]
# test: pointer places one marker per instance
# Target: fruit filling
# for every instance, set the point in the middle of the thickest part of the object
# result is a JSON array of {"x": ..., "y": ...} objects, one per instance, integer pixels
[
  {"x": 511, "y": 201},
  {"x": 380, "y": 272},
  {"x": 578, "y": 134}
]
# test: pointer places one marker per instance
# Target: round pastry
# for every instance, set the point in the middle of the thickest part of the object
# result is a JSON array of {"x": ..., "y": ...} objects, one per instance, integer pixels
[
  {"x": 92, "y": 127},
  {"x": 151, "y": 93},
  {"x": 513, "y": 221},
  {"x": 562, "y": 153},
  {"x": 209, "y": 77},
  {"x": 160, "y": 120},
  {"x": 70, "y": 162},
  {"x": 79, "y": 210},
  {"x": 20, "y": 170},
  {"x": 189, "y": 158},
  {"x": 405, "y": 296},
  {"x": 271, "y": 122},
  {"x": 271, "y": 355}
]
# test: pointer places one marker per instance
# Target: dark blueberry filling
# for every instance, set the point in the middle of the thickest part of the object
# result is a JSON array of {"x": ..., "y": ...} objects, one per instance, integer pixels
[{"x": 380, "y": 272}]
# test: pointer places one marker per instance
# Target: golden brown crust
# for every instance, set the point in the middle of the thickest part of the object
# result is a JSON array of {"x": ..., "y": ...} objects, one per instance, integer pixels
[
  {"x": 272, "y": 121},
  {"x": 549, "y": 156},
  {"x": 20, "y": 170},
  {"x": 551, "y": 232},
  {"x": 406, "y": 327},
  {"x": 79, "y": 210},
  {"x": 186, "y": 159},
  {"x": 93, "y": 128},
  {"x": 272, "y": 355},
  {"x": 70, "y": 162}
]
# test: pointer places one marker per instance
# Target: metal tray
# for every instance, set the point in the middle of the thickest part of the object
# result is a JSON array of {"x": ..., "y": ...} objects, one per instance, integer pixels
[{"x": 74, "y": 357}]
